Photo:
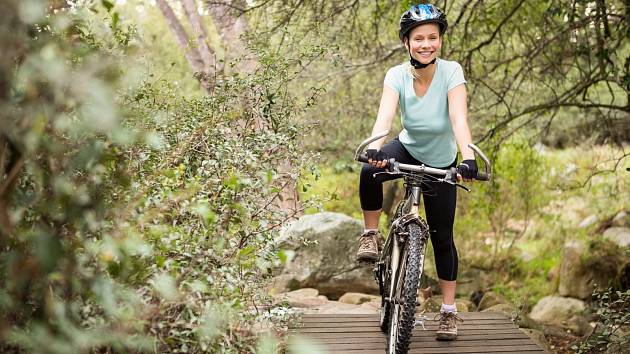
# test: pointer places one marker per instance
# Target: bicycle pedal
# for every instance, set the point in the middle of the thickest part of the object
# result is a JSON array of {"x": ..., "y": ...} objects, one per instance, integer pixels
[{"x": 420, "y": 321}]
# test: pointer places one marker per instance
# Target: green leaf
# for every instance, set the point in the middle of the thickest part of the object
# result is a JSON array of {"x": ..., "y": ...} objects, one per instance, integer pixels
[
  {"x": 115, "y": 20},
  {"x": 107, "y": 4}
]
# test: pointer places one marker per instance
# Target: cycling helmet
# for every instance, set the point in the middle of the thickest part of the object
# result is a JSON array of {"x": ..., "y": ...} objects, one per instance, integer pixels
[{"x": 421, "y": 14}]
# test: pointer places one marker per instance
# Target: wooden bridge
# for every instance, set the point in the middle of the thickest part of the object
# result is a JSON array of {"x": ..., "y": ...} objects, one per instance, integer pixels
[{"x": 481, "y": 332}]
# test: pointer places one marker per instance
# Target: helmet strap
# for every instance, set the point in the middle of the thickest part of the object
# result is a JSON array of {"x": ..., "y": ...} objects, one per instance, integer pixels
[{"x": 418, "y": 65}]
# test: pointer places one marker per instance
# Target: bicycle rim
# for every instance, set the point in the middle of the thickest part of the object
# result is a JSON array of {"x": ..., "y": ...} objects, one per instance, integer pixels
[
  {"x": 395, "y": 307},
  {"x": 393, "y": 330}
]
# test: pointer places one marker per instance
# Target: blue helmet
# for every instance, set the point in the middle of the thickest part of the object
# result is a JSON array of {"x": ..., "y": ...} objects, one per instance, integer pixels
[{"x": 420, "y": 14}]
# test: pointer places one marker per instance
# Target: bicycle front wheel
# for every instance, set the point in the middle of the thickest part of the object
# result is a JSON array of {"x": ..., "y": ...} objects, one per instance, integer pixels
[{"x": 409, "y": 280}]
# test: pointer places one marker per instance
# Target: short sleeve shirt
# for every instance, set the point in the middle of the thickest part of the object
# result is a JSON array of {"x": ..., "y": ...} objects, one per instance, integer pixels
[{"x": 427, "y": 132}]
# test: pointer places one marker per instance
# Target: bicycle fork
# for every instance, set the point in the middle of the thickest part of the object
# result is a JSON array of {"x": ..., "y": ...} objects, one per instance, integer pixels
[{"x": 410, "y": 213}]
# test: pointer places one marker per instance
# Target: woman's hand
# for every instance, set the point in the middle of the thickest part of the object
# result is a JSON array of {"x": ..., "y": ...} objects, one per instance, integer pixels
[
  {"x": 377, "y": 158},
  {"x": 468, "y": 170}
]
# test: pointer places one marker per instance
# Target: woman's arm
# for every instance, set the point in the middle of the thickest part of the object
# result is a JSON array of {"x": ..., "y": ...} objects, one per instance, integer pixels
[
  {"x": 458, "y": 113},
  {"x": 384, "y": 119},
  {"x": 385, "y": 116}
]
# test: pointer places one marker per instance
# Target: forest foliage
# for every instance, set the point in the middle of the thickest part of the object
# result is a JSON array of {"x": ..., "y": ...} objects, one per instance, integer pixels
[{"x": 140, "y": 195}]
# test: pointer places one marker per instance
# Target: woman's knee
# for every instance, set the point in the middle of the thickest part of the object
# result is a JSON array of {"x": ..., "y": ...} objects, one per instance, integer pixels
[
  {"x": 368, "y": 171},
  {"x": 442, "y": 240}
]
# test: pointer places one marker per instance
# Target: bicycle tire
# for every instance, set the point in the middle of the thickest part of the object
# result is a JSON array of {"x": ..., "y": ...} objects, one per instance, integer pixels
[{"x": 412, "y": 273}]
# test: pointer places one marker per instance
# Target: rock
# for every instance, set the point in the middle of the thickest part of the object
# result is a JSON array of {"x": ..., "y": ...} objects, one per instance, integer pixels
[
  {"x": 537, "y": 337},
  {"x": 464, "y": 305},
  {"x": 557, "y": 310},
  {"x": 507, "y": 309},
  {"x": 579, "y": 276},
  {"x": 358, "y": 298},
  {"x": 431, "y": 304},
  {"x": 490, "y": 299},
  {"x": 302, "y": 298},
  {"x": 476, "y": 297},
  {"x": 622, "y": 219},
  {"x": 471, "y": 280},
  {"x": 618, "y": 235},
  {"x": 336, "y": 307},
  {"x": 302, "y": 293},
  {"x": 590, "y": 220},
  {"x": 372, "y": 305},
  {"x": 578, "y": 325},
  {"x": 324, "y": 246},
  {"x": 434, "y": 304},
  {"x": 553, "y": 273},
  {"x": 524, "y": 321},
  {"x": 574, "y": 280}
]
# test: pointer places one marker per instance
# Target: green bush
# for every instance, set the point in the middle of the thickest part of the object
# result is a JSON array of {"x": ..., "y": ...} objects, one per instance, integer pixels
[{"x": 142, "y": 220}]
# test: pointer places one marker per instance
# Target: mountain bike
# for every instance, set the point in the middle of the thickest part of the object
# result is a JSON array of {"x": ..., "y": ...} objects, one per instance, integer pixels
[{"x": 400, "y": 265}]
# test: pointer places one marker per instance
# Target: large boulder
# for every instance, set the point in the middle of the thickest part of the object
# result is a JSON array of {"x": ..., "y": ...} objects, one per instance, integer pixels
[
  {"x": 490, "y": 299},
  {"x": 471, "y": 280},
  {"x": 507, "y": 309},
  {"x": 337, "y": 308},
  {"x": 584, "y": 268},
  {"x": 618, "y": 235},
  {"x": 324, "y": 249},
  {"x": 563, "y": 312},
  {"x": 302, "y": 298},
  {"x": 622, "y": 219},
  {"x": 537, "y": 337},
  {"x": 358, "y": 298}
]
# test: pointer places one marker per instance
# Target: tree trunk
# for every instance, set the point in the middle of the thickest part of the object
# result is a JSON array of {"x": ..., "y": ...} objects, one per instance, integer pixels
[
  {"x": 191, "y": 53},
  {"x": 230, "y": 20},
  {"x": 206, "y": 53}
]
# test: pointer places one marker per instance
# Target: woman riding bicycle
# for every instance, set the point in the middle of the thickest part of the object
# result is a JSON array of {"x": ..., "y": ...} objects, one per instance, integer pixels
[{"x": 432, "y": 96}]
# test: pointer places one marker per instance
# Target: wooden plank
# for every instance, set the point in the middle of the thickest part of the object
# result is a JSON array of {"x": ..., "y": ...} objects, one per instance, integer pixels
[
  {"x": 463, "y": 315},
  {"x": 375, "y": 323},
  {"x": 505, "y": 349},
  {"x": 416, "y": 338},
  {"x": 462, "y": 327},
  {"x": 416, "y": 333},
  {"x": 432, "y": 344}
]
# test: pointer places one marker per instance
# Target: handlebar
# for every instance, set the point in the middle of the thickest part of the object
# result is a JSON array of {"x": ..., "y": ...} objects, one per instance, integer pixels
[{"x": 486, "y": 175}]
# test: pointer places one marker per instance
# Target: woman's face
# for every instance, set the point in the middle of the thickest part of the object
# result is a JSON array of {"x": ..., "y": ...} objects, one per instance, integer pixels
[{"x": 424, "y": 42}]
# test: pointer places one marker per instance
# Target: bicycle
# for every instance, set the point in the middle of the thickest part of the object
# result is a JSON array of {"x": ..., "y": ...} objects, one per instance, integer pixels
[{"x": 400, "y": 265}]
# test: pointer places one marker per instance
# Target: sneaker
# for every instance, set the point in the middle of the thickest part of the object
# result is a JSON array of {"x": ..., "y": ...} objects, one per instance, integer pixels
[
  {"x": 447, "y": 328},
  {"x": 368, "y": 247}
]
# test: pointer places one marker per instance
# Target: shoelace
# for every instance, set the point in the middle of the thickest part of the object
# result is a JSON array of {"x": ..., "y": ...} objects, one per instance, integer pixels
[
  {"x": 367, "y": 242},
  {"x": 438, "y": 316}
]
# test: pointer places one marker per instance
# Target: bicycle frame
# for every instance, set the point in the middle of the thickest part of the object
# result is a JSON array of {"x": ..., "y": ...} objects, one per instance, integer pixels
[{"x": 409, "y": 213}]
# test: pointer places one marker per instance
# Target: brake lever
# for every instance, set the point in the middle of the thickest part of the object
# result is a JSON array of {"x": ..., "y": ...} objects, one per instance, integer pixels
[
  {"x": 462, "y": 187},
  {"x": 455, "y": 184},
  {"x": 384, "y": 173}
]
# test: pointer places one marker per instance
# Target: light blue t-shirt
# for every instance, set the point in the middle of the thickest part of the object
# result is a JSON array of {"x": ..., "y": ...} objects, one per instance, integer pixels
[{"x": 427, "y": 134}]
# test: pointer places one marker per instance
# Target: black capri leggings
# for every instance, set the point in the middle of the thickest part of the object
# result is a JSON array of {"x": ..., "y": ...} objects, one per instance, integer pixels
[{"x": 440, "y": 200}]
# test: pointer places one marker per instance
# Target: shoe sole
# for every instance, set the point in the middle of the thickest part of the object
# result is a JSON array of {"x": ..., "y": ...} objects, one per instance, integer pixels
[
  {"x": 445, "y": 336},
  {"x": 366, "y": 258}
]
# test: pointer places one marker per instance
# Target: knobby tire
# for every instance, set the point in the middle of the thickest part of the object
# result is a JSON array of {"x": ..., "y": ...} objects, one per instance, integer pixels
[{"x": 413, "y": 271}]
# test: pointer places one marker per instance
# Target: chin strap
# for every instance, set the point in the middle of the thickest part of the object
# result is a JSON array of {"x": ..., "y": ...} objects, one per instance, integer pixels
[{"x": 418, "y": 65}]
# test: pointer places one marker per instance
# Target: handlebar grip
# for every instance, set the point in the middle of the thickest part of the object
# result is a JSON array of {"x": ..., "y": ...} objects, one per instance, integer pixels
[
  {"x": 482, "y": 176},
  {"x": 362, "y": 158}
]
